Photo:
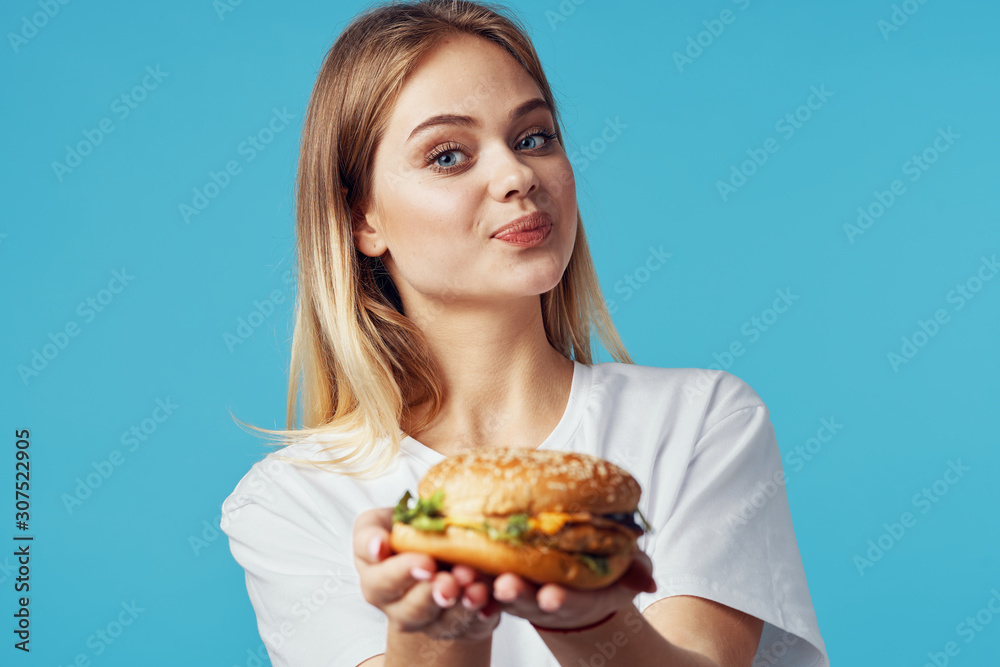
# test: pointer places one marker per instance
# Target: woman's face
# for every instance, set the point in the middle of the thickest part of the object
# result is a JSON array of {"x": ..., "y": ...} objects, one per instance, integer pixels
[{"x": 442, "y": 189}]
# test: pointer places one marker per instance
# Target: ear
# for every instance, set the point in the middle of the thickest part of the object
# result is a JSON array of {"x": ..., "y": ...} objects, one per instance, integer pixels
[{"x": 367, "y": 237}]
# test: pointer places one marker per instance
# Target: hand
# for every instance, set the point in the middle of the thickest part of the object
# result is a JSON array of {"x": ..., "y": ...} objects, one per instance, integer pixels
[
  {"x": 555, "y": 606},
  {"x": 413, "y": 594}
]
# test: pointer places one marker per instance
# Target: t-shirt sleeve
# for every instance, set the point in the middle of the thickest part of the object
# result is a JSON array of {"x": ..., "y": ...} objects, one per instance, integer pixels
[
  {"x": 301, "y": 579},
  {"x": 723, "y": 531}
]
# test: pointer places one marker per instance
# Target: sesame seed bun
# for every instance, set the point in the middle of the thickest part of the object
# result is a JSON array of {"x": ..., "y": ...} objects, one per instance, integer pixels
[{"x": 499, "y": 482}]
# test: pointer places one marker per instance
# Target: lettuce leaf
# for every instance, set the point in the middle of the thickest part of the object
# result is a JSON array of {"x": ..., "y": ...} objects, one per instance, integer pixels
[
  {"x": 425, "y": 513},
  {"x": 516, "y": 526}
]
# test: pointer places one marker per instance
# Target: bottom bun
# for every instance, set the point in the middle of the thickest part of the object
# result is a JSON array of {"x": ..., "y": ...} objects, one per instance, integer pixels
[{"x": 539, "y": 565}]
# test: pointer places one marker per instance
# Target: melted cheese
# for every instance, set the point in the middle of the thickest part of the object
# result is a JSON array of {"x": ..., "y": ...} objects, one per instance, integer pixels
[
  {"x": 546, "y": 523},
  {"x": 549, "y": 523}
]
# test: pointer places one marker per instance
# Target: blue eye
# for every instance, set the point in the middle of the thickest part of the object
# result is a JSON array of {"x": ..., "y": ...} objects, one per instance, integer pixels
[
  {"x": 539, "y": 132},
  {"x": 452, "y": 163},
  {"x": 445, "y": 155},
  {"x": 444, "y": 151}
]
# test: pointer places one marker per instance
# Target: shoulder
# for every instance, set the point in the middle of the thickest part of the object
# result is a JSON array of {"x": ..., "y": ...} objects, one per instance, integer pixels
[
  {"x": 292, "y": 485},
  {"x": 705, "y": 395},
  {"x": 653, "y": 421},
  {"x": 271, "y": 479},
  {"x": 287, "y": 485},
  {"x": 271, "y": 491}
]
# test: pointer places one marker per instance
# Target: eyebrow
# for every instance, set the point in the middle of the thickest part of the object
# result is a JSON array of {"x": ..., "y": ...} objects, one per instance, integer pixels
[{"x": 468, "y": 121}]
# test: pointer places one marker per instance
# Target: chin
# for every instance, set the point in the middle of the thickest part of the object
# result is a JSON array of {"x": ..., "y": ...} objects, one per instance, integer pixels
[{"x": 543, "y": 285}]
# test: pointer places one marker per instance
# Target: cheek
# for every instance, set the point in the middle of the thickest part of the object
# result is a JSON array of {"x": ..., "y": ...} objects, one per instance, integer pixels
[
  {"x": 432, "y": 226},
  {"x": 560, "y": 190},
  {"x": 432, "y": 214},
  {"x": 560, "y": 184}
]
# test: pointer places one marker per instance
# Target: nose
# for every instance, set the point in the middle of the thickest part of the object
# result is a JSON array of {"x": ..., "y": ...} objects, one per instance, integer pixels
[{"x": 513, "y": 177}]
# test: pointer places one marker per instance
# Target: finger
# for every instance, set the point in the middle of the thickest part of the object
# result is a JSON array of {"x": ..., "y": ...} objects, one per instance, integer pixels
[
  {"x": 464, "y": 574},
  {"x": 438, "y": 612},
  {"x": 415, "y": 609},
  {"x": 445, "y": 590},
  {"x": 567, "y": 607},
  {"x": 551, "y": 597},
  {"x": 388, "y": 581},
  {"x": 509, "y": 588},
  {"x": 371, "y": 535},
  {"x": 475, "y": 596}
]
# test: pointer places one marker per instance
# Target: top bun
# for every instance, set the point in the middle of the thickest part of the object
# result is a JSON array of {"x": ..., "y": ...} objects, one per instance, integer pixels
[{"x": 501, "y": 481}]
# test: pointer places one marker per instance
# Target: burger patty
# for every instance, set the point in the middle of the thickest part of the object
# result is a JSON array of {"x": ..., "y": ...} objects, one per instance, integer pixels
[
  {"x": 572, "y": 533},
  {"x": 589, "y": 538}
]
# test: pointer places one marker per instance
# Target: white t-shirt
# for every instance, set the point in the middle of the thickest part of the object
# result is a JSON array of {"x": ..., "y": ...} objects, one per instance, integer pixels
[{"x": 699, "y": 442}]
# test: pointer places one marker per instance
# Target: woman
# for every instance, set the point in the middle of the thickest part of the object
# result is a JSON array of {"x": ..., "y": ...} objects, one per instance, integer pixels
[{"x": 425, "y": 327}]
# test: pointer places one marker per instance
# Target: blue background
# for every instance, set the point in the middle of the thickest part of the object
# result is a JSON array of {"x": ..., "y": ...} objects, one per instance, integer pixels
[{"x": 149, "y": 532}]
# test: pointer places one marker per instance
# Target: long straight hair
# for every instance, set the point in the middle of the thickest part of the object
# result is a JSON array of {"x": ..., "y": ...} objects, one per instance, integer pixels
[{"x": 359, "y": 366}]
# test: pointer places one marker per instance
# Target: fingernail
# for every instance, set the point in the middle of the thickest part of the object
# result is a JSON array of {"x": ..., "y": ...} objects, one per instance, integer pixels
[
  {"x": 467, "y": 603},
  {"x": 482, "y": 616},
  {"x": 375, "y": 547},
  {"x": 503, "y": 593},
  {"x": 421, "y": 574},
  {"x": 441, "y": 601}
]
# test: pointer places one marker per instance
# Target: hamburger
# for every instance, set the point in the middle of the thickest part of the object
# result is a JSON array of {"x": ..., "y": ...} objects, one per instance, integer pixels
[{"x": 550, "y": 517}]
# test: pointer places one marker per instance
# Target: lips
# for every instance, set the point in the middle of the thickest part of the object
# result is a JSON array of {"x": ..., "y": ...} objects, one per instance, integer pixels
[{"x": 532, "y": 221}]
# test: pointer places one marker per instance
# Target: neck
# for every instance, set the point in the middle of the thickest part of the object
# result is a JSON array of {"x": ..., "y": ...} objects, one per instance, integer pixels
[{"x": 504, "y": 385}]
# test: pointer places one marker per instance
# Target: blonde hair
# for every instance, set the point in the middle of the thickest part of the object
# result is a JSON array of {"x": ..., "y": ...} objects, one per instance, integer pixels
[{"x": 359, "y": 366}]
